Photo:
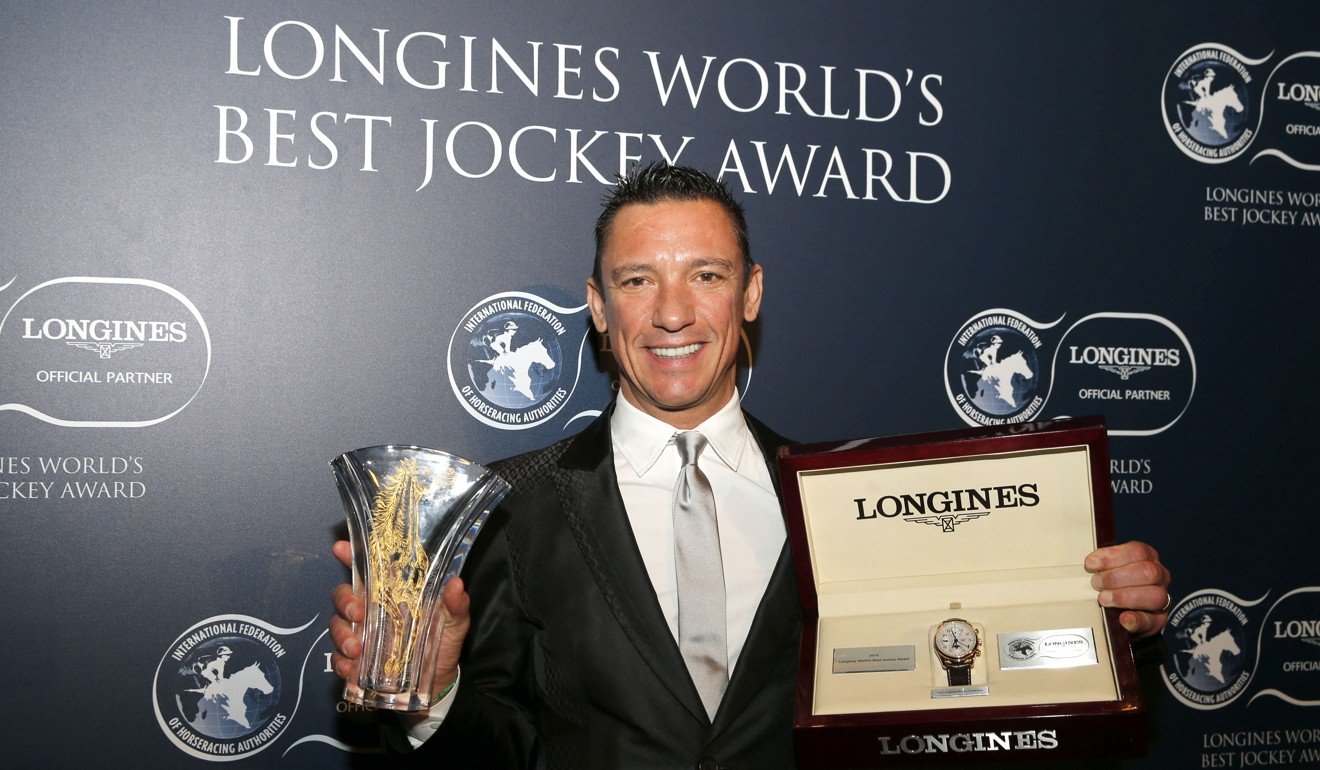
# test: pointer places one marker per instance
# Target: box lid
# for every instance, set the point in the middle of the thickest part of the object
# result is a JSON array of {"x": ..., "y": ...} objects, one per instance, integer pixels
[{"x": 884, "y": 513}]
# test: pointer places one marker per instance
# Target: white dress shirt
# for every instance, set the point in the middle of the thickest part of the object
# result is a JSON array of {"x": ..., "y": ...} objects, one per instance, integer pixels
[
  {"x": 751, "y": 527},
  {"x": 752, "y": 531}
]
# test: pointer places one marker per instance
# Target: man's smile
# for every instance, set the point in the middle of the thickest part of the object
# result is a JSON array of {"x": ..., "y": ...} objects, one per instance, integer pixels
[{"x": 679, "y": 352}]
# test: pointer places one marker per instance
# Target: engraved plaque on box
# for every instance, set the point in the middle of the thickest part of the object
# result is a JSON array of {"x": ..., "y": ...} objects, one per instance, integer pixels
[
  {"x": 853, "y": 660},
  {"x": 1057, "y": 648}
]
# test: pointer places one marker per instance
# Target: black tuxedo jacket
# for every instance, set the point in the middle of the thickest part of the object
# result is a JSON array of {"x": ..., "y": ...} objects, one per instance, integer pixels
[{"x": 569, "y": 662}]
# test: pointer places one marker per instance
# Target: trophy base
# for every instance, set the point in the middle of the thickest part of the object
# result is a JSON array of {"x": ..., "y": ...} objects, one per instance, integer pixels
[{"x": 375, "y": 699}]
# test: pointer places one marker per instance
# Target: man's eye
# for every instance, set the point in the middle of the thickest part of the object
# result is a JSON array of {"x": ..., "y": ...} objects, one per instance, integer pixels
[
  {"x": 708, "y": 277},
  {"x": 636, "y": 280}
]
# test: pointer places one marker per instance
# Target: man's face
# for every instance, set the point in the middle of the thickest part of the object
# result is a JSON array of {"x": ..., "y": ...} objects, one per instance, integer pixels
[{"x": 674, "y": 300}]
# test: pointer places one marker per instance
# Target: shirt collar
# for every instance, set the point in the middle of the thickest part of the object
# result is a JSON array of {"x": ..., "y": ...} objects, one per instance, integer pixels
[{"x": 641, "y": 438}]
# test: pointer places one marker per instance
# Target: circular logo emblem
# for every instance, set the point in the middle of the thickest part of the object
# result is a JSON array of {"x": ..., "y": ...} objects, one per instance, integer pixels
[
  {"x": 992, "y": 370},
  {"x": 1207, "y": 637},
  {"x": 1207, "y": 102},
  {"x": 1022, "y": 649},
  {"x": 1212, "y": 106},
  {"x": 219, "y": 691},
  {"x": 226, "y": 688},
  {"x": 514, "y": 359},
  {"x": 515, "y": 366}
]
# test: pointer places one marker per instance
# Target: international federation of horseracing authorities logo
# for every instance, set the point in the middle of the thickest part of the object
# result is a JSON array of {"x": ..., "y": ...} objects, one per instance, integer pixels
[
  {"x": 102, "y": 352},
  {"x": 992, "y": 370},
  {"x": 230, "y": 685},
  {"x": 1217, "y": 649},
  {"x": 1137, "y": 369},
  {"x": 1214, "y": 102},
  {"x": 1207, "y": 102},
  {"x": 1210, "y": 648},
  {"x": 1022, "y": 649},
  {"x": 515, "y": 358}
]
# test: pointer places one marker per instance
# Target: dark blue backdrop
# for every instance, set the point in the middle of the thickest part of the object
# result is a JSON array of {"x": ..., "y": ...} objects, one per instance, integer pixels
[{"x": 302, "y": 306}]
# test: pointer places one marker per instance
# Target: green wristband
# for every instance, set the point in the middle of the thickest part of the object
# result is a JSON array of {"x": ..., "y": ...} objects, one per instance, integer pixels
[{"x": 441, "y": 696}]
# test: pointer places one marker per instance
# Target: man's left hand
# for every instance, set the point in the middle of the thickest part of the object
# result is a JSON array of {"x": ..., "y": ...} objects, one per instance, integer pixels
[{"x": 1130, "y": 576}]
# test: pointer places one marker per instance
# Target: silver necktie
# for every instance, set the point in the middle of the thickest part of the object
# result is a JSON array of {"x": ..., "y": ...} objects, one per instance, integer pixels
[{"x": 701, "y": 618}]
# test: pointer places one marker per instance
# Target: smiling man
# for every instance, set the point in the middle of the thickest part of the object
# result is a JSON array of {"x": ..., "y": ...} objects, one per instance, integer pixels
[
  {"x": 672, "y": 288},
  {"x": 632, "y": 599}
]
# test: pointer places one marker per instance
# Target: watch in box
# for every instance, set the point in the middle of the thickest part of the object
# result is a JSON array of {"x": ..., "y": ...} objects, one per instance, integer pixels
[{"x": 957, "y": 644}]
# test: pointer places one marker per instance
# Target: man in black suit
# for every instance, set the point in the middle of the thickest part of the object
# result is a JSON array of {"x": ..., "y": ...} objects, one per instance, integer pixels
[{"x": 574, "y": 649}]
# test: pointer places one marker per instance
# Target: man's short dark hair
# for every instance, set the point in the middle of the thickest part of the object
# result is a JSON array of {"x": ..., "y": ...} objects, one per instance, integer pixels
[{"x": 660, "y": 181}]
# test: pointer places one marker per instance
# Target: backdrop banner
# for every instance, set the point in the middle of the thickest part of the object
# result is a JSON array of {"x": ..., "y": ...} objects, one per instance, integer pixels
[{"x": 244, "y": 237}]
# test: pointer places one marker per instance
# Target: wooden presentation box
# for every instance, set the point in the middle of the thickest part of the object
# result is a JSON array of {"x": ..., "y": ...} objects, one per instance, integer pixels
[{"x": 893, "y": 536}]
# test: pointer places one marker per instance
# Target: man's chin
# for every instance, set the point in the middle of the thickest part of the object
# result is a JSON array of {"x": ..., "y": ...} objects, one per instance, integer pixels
[{"x": 678, "y": 409}]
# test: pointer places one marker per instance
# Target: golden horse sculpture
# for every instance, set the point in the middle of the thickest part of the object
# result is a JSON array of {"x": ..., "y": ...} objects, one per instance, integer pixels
[{"x": 398, "y": 561}]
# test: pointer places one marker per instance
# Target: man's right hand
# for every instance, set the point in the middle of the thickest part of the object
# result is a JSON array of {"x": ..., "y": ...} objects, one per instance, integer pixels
[{"x": 350, "y": 608}]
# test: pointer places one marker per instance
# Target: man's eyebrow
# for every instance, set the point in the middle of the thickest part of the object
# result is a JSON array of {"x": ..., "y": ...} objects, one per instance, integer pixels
[
  {"x": 628, "y": 270},
  {"x": 703, "y": 262}
]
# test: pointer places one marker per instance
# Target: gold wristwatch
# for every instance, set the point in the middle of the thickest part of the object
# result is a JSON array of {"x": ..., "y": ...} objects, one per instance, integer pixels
[{"x": 957, "y": 644}]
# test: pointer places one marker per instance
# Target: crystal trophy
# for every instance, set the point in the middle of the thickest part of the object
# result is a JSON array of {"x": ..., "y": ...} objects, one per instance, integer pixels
[{"x": 412, "y": 516}]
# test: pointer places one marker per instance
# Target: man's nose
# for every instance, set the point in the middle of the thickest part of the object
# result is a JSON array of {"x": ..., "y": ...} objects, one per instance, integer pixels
[{"x": 674, "y": 309}]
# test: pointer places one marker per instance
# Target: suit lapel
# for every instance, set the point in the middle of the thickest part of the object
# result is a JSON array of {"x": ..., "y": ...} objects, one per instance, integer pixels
[
  {"x": 589, "y": 496},
  {"x": 777, "y": 618}
]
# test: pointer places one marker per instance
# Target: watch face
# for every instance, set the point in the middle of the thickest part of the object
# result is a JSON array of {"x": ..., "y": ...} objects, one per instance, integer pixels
[{"x": 955, "y": 639}]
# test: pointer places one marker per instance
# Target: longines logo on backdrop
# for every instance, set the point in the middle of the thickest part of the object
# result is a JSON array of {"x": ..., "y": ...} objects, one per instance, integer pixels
[
  {"x": 1214, "y": 102},
  {"x": 1137, "y": 369},
  {"x": 515, "y": 358},
  {"x": 1217, "y": 649},
  {"x": 102, "y": 352},
  {"x": 230, "y": 685},
  {"x": 1124, "y": 362},
  {"x": 106, "y": 337}
]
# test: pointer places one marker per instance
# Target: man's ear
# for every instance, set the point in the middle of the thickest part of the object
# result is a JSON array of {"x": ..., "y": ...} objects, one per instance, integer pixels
[
  {"x": 752, "y": 295},
  {"x": 596, "y": 301}
]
